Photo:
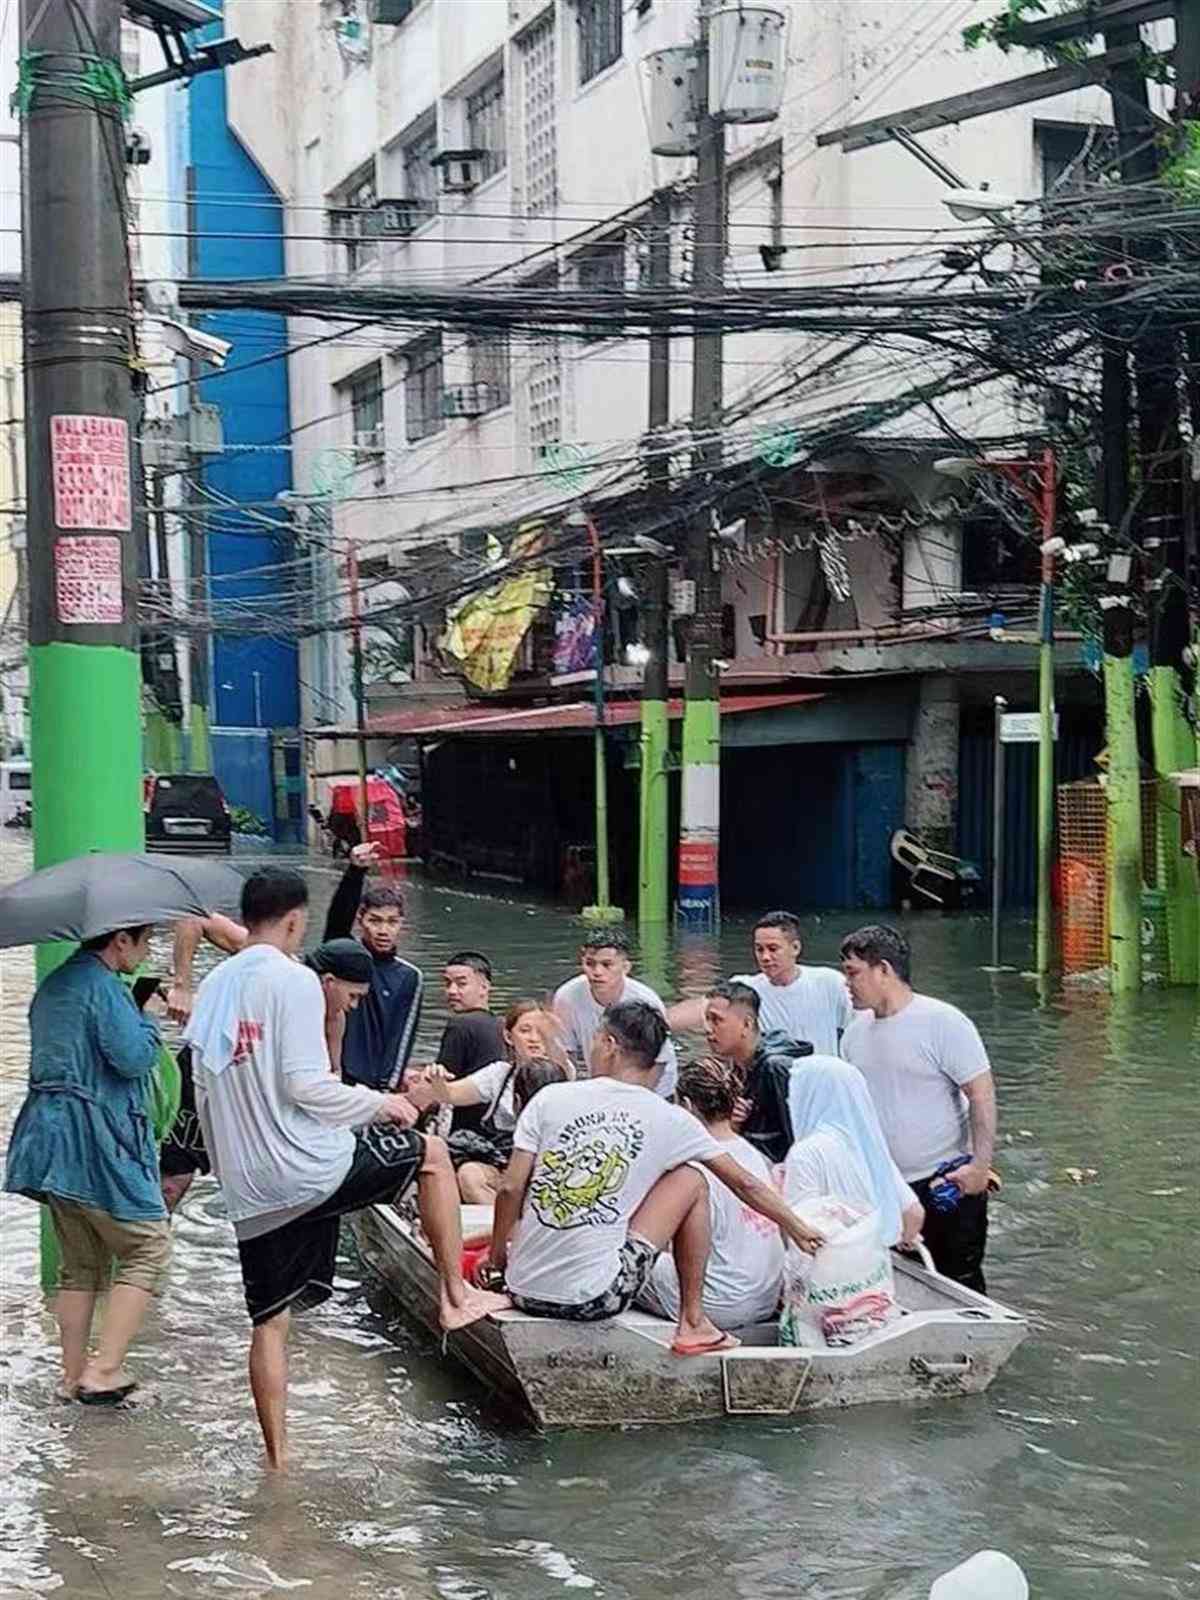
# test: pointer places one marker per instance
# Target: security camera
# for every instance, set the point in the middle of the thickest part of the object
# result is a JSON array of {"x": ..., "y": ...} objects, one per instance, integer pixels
[
  {"x": 137, "y": 148},
  {"x": 194, "y": 342}
]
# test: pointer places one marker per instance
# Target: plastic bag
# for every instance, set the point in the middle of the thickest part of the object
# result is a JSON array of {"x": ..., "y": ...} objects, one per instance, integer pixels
[
  {"x": 164, "y": 1089},
  {"x": 847, "y": 1290}
]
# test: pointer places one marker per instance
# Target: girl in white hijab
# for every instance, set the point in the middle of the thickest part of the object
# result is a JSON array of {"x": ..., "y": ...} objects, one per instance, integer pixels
[{"x": 840, "y": 1149}]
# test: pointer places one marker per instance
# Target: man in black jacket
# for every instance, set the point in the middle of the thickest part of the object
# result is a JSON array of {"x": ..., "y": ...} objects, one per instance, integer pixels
[{"x": 731, "y": 1027}]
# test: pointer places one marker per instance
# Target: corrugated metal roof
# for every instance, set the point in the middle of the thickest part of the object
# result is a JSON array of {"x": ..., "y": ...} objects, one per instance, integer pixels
[{"x": 574, "y": 716}]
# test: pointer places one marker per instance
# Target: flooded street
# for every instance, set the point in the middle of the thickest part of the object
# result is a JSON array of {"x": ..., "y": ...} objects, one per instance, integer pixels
[{"x": 1080, "y": 1461}]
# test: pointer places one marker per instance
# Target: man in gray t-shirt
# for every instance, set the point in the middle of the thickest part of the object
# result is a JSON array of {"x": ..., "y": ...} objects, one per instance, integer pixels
[{"x": 605, "y": 981}]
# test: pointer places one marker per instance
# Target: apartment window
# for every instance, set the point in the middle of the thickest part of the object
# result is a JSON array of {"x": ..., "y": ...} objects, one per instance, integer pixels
[
  {"x": 544, "y": 378},
  {"x": 355, "y": 202},
  {"x": 539, "y": 129},
  {"x": 487, "y": 128},
  {"x": 491, "y": 363},
  {"x": 420, "y": 174},
  {"x": 600, "y": 268},
  {"x": 423, "y": 388},
  {"x": 365, "y": 391},
  {"x": 1072, "y": 154},
  {"x": 599, "y": 36}
]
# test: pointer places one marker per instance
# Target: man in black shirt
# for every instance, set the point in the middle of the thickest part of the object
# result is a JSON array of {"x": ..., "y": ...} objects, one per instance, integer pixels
[
  {"x": 762, "y": 1115},
  {"x": 379, "y": 1034},
  {"x": 473, "y": 1037},
  {"x": 375, "y": 1041}
]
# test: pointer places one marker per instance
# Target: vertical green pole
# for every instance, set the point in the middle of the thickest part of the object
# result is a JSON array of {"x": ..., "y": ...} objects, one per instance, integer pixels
[
  {"x": 603, "y": 910},
  {"x": 84, "y": 670},
  {"x": 654, "y": 872},
  {"x": 1174, "y": 749},
  {"x": 653, "y": 857},
  {"x": 603, "y": 898},
  {"x": 1124, "y": 811},
  {"x": 1045, "y": 771}
]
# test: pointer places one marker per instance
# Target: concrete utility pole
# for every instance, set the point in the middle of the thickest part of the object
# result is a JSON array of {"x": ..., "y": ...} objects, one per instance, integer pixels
[
  {"x": 85, "y": 677},
  {"x": 698, "y": 903},
  {"x": 653, "y": 864}
]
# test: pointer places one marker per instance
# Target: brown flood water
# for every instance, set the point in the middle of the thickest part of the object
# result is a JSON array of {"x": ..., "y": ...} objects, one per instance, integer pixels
[{"x": 1081, "y": 1461}]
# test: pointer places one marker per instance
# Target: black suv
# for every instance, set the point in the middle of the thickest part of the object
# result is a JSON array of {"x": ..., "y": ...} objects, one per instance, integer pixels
[{"x": 187, "y": 812}]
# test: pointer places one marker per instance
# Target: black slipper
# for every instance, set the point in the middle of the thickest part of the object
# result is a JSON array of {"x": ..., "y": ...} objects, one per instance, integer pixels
[{"x": 105, "y": 1397}]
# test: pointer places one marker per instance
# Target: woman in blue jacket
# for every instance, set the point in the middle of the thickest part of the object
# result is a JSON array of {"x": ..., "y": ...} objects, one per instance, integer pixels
[{"x": 83, "y": 1145}]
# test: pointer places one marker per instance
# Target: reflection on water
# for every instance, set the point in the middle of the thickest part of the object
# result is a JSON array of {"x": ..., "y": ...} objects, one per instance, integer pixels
[{"x": 1080, "y": 1461}]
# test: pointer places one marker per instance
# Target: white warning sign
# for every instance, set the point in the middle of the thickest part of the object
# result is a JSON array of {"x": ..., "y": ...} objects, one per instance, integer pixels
[
  {"x": 89, "y": 458},
  {"x": 87, "y": 579}
]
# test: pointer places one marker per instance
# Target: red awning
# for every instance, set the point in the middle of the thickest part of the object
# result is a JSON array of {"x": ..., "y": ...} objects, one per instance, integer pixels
[{"x": 577, "y": 716}]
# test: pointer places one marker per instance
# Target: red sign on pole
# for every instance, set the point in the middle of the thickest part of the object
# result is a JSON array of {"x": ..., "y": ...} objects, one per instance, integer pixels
[
  {"x": 87, "y": 579},
  {"x": 90, "y": 461}
]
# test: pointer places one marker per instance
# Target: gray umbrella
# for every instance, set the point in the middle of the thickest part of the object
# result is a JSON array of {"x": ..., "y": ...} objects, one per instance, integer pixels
[{"x": 90, "y": 895}]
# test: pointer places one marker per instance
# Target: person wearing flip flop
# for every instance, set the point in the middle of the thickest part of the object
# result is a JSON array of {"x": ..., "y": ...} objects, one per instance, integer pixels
[
  {"x": 931, "y": 1081},
  {"x": 83, "y": 1145},
  {"x": 295, "y": 1149},
  {"x": 744, "y": 1276},
  {"x": 600, "y": 1183}
]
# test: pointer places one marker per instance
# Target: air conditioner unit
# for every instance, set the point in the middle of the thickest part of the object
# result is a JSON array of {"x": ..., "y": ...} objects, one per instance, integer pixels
[
  {"x": 368, "y": 444},
  {"x": 461, "y": 170},
  {"x": 468, "y": 400},
  {"x": 391, "y": 11}
]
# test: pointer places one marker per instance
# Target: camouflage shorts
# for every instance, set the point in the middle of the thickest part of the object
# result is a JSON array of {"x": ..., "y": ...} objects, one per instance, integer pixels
[{"x": 637, "y": 1256}]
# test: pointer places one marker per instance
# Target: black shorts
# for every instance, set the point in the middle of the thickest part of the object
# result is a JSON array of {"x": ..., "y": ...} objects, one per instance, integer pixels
[
  {"x": 956, "y": 1239},
  {"x": 183, "y": 1151},
  {"x": 291, "y": 1268}
]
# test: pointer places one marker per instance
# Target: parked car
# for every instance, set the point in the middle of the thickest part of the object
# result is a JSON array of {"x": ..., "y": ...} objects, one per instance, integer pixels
[
  {"x": 187, "y": 811},
  {"x": 16, "y": 786}
]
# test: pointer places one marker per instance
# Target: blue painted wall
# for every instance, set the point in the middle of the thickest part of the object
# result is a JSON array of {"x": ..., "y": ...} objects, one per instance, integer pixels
[
  {"x": 238, "y": 225},
  {"x": 823, "y": 816}
]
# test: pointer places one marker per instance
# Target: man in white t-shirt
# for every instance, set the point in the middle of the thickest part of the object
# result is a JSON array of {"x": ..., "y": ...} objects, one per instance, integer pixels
[
  {"x": 279, "y": 1130},
  {"x": 931, "y": 1081},
  {"x": 599, "y": 1184},
  {"x": 805, "y": 1005},
  {"x": 580, "y": 1003}
]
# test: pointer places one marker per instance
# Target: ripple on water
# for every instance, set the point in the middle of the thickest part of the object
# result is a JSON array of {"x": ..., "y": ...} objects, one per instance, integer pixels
[{"x": 407, "y": 1484}]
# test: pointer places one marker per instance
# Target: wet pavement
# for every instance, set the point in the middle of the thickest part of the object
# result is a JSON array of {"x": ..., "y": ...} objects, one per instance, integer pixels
[{"x": 1080, "y": 1461}]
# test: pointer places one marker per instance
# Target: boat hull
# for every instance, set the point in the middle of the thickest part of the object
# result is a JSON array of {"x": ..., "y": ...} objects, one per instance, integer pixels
[{"x": 952, "y": 1342}]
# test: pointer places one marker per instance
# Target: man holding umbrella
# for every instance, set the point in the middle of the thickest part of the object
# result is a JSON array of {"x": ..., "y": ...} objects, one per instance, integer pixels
[{"x": 82, "y": 1143}]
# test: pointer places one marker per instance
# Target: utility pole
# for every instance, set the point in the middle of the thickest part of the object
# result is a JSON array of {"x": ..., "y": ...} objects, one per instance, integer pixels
[
  {"x": 653, "y": 864},
  {"x": 698, "y": 904},
  {"x": 1123, "y": 807},
  {"x": 85, "y": 676},
  {"x": 360, "y": 697},
  {"x": 199, "y": 676}
]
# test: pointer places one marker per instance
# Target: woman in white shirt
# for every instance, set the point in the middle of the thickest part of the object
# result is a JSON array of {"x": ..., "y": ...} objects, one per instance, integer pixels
[
  {"x": 840, "y": 1149},
  {"x": 745, "y": 1265},
  {"x": 532, "y": 1034}
]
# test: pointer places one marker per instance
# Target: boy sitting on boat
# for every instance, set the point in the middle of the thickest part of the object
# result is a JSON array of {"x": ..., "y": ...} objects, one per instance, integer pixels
[{"x": 600, "y": 1184}]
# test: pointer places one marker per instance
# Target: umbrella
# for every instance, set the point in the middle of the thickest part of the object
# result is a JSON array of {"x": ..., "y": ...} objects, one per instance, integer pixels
[{"x": 94, "y": 894}]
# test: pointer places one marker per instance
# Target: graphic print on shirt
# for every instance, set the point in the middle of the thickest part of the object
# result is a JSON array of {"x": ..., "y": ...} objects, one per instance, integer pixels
[
  {"x": 248, "y": 1035},
  {"x": 578, "y": 1179}
]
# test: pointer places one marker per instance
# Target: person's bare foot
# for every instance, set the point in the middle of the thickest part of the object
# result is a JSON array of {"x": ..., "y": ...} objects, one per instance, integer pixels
[
  {"x": 473, "y": 1305},
  {"x": 104, "y": 1380}
]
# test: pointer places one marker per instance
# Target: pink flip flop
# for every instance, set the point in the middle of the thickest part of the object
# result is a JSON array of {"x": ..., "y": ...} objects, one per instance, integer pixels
[{"x": 712, "y": 1347}]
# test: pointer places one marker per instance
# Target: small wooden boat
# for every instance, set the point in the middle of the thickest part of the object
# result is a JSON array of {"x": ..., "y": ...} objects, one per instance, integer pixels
[{"x": 950, "y": 1342}]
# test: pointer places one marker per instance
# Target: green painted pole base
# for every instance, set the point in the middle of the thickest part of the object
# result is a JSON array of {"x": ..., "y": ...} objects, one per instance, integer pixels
[
  {"x": 86, "y": 724},
  {"x": 653, "y": 858},
  {"x": 163, "y": 743},
  {"x": 199, "y": 740},
  {"x": 1124, "y": 809},
  {"x": 1174, "y": 749}
]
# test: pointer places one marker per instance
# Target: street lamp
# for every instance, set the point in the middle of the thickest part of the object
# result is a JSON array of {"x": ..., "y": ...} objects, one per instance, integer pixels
[
  {"x": 1035, "y": 479},
  {"x": 977, "y": 205},
  {"x": 603, "y": 910}
]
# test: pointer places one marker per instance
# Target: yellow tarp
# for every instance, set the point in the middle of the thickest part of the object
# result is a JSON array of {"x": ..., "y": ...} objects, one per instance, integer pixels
[{"x": 484, "y": 632}]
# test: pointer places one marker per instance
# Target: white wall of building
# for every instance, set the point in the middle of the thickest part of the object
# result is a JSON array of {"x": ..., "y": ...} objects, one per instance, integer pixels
[{"x": 342, "y": 97}]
